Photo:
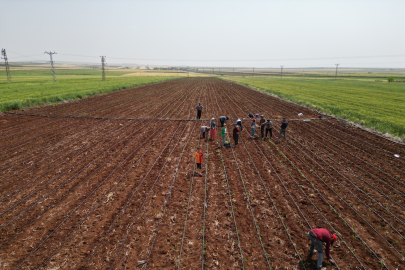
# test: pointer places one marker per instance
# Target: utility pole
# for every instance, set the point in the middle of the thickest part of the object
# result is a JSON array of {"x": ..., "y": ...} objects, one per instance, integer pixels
[
  {"x": 103, "y": 67},
  {"x": 281, "y": 71},
  {"x": 233, "y": 72},
  {"x": 253, "y": 72},
  {"x": 4, "y": 54},
  {"x": 53, "y": 68},
  {"x": 188, "y": 75},
  {"x": 212, "y": 70},
  {"x": 336, "y": 70}
]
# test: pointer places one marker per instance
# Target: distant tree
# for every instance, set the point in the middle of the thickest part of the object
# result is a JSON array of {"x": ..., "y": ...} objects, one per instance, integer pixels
[{"x": 390, "y": 78}]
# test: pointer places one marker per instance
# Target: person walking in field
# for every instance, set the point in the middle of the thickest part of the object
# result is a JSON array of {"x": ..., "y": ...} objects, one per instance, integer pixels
[
  {"x": 199, "y": 110},
  {"x": 223, "y": 119},
  {"x": 198, "y": 159},
  {"x": 317, "y": 237},
  {"x": 269, "y": 128},
  {"x": 235, "y": 134},
  {"x": 223, "y": 134},
  {"x": 213, "y": 129},
  {"x": 262, "y": 121},
  {"x": 204, "y": 130},
  {"x": 253, "y": 127},
  {"x": 283, "y": 129}
]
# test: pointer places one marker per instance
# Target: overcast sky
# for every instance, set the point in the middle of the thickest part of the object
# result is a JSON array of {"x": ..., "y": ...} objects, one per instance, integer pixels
[{"x": 208, "y": 33}]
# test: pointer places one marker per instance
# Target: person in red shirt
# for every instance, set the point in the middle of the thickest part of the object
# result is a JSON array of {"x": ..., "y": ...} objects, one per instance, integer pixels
[
  {"x": 198, "y": 159},
  {"x": 317, "y": 237}
]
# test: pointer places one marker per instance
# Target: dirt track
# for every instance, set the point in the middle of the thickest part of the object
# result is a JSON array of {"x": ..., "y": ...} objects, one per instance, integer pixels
[{"x": 108, "y": 183}]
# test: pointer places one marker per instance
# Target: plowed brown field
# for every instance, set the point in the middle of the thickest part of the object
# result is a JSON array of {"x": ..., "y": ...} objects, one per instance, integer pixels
[{"x": 109, "y": 182}]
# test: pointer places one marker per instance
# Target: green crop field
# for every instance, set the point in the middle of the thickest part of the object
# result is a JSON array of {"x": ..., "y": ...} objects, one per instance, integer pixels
[
  {"x": 377, "y": 104},
  {"x": 33, "y": 85}
]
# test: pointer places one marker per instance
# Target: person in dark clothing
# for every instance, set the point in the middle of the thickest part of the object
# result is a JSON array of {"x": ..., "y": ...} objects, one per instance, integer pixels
[
  {"x": 269, "y": 128},
  {"x": 261, "y": 125},
  {"x": 236, "y": 134},
  {"x": 317, "y": 237},
  {"x": 283, "y": 128},
  {"x": 199, "y": 110},
  {"x": 222, "y": 120}
]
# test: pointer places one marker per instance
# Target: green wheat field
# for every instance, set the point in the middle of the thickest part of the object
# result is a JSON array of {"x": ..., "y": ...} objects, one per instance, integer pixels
[{"x": 372, "y": 103}]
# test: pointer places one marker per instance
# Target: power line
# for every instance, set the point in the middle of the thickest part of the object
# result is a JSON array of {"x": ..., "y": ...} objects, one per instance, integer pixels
[
  {"x": 246, "y": 60},
  {"x": 4, "y": 54},
  {"x": 53, "y": 68}
]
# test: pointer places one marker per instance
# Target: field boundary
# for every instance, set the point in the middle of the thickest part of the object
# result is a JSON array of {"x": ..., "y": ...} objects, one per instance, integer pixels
[{"x": 394, "y": 139}]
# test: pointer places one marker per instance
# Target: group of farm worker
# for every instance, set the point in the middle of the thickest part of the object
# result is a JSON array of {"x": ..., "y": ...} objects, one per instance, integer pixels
[
  {"x": 266, "y": 127},
  {"x": 318, "y": 236}
]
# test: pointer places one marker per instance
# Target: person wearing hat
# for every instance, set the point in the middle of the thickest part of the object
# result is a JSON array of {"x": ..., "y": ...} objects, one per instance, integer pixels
[
  {"x": 262, "y": 121},
  {"x": 213, "y": 129},
  {"x": 198, "y": 159},
  {"x": 199, "y": 110},
  {"x": 239, "y": 123},
  {"x": 317, "y": 237},
  {"x": 253, "y": 127}
]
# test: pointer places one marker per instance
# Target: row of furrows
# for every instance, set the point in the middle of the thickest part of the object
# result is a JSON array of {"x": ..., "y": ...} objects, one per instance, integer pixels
[
  {"x": 112, "y": 165},
  {"x": 233, "y": 93}
]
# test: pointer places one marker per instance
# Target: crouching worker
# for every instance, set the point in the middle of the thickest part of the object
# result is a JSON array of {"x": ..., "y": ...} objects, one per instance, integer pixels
[
  {"x": 204, "y": 130},
  {"x": 223, "y": 119},
  {"x": 317, "y": 237}
]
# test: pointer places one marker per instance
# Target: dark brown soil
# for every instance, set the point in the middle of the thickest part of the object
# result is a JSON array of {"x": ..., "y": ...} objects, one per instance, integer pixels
[{"x": 110, "y": 182}]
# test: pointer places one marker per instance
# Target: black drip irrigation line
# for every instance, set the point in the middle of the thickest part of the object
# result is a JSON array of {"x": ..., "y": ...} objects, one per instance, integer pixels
[
  {"x": 189, "y": 197},
  {"x": 36, "y": 136},
  {"x": 378, "y": 135},
  {"x": 75, "y": 146},
  {"x": 132, "y": 197},
  {"x": 344, "y": 220},
  {"x": 230, "y": 201},
  {"x": 113, "y": 189},
  {"x": 141, "y": 119},
  {"x": 382, "y": 150},
  {"x": 72, "y": 157},
  {"x": 166, "y": 201},
  {"x": 78, "y": 207},
  {"x": 387, "y": 174},
  {"x": 133, "y": 194},
  {"x": 270, "y": 196},
  {"x": 339, "y": 182},
  {"x": 291, "y": 195},
  {"x": 372, "y": 175},
  {"x": 60, "y": 164},
  {"x": 248, "y": 201},
  {"x": 355, "y": 147},
  {"x": 60, "y": 185},
  {"x": 69, "y": 216},
  {"x": 164, "y": 208},
  {"x": 363, "y": 219}
]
